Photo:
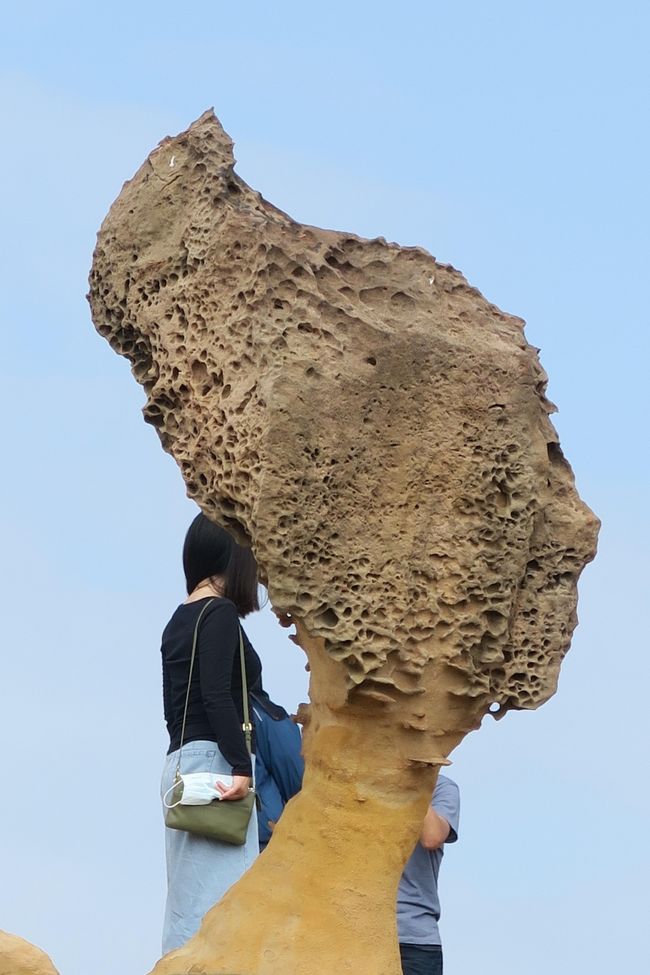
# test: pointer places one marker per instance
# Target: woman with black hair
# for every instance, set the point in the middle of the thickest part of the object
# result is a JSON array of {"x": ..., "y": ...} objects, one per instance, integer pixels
[{"x": 221, "y": 579}]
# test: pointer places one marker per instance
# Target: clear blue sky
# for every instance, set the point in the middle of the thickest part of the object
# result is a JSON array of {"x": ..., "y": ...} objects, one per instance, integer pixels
[{"x": 511, "y": 140}]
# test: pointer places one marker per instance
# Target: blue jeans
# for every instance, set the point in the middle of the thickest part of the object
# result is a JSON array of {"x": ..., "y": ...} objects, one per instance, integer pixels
[{"x": 421, "y": 959}]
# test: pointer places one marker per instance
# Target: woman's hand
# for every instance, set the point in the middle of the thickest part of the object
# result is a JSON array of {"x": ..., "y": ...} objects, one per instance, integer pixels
[
  {"x": 238, "y": 790},
  {"x": 286, "y": 619}
]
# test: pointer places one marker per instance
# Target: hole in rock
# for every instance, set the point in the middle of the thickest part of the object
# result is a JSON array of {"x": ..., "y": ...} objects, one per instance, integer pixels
[{"x": 328, "y": 617}]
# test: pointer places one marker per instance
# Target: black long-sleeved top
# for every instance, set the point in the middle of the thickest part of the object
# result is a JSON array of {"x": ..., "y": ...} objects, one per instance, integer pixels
[{"x": 215, "y": 710}]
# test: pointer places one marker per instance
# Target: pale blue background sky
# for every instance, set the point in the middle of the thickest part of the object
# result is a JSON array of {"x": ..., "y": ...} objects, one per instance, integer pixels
[{"x": 510, "y": 139}]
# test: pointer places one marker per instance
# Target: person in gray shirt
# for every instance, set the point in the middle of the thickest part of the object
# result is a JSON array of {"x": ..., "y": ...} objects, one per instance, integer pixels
[{"x": 418, "y": 907}]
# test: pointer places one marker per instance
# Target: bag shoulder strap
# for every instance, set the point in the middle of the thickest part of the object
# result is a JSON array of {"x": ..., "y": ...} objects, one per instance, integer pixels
[
  {"x": 189, "y": 681},
  {"x": 247, "y": 726}
]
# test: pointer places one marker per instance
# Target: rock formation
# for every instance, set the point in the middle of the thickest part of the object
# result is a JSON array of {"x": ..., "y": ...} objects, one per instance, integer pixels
[
  {"x": 379, "y": 433},
  {"x": 18, "y": 957}
]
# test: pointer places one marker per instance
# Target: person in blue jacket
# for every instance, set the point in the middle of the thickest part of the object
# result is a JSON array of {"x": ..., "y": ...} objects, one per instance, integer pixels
[{"x": 279, "y": 765}]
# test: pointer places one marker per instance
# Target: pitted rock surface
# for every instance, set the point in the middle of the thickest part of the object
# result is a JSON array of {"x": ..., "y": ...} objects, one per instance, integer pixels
[{"x": 374, "y": 427}]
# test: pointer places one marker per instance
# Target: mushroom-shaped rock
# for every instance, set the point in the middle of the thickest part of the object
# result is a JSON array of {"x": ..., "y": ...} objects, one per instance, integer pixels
[{"x": 379, "y": 433}]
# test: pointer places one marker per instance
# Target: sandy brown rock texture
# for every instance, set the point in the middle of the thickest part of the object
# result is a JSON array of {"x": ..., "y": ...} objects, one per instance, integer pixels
[
  {"x": 18, "y": 957},
  {"x": 380, "y": 434}
]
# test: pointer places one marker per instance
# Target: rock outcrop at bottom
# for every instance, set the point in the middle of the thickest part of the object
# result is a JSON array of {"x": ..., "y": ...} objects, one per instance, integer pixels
[
  {"x": 380, "y": 434},
  {"x": 19, "y": 957}
]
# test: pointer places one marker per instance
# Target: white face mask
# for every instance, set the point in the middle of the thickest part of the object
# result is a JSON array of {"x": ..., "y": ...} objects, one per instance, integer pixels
[{"x": 199, "y": 789}]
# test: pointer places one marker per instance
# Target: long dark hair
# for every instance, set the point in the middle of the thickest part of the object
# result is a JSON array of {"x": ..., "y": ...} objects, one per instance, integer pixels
[
  {"x": 206, "y": 551},
  {"x": 241, "y": 580},
  {"x": 209, "y": 551}
]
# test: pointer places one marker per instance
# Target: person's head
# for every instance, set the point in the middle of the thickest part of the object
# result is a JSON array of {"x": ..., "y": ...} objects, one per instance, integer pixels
[
  {"x": 210, "y": 555},
  {"x": 206, "y": 552}
]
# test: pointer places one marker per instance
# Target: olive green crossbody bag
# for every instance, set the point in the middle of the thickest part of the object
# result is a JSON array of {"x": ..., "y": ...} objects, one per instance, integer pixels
[{"x": 226, "y": 820}]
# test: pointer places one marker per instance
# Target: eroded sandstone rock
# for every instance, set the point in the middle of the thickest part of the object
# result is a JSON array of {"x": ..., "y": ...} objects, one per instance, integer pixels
[
  {"x": 19, "y": 957},
  {"x": 379, "y": 433}
]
